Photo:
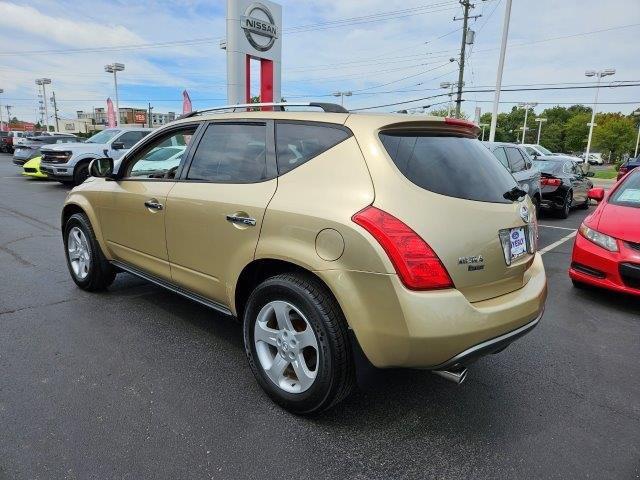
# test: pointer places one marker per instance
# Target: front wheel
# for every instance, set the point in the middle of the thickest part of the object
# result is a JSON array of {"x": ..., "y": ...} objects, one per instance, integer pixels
[
  {"x": 88, "y": 267},
  {"x": 81, "y": 173},
  {"x": 296, "y": 340}
]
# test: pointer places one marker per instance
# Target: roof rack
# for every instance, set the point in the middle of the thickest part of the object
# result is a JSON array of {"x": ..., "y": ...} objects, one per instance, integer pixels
[{"x": 326, "y": 107}]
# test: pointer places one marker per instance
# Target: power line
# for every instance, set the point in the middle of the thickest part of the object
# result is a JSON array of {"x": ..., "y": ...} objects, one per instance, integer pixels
[
  {"x": 389, "y": 15},
  {"x": 489, "y": 90}
]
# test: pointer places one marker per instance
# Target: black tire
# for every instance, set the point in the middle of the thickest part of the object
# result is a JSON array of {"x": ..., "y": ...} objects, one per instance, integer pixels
[
  {"x": 566, "y": 206},
  {"x": 100, "y": 272},
  {"x": 335, "y": 370},
  {"x": 81, "y": 173}
]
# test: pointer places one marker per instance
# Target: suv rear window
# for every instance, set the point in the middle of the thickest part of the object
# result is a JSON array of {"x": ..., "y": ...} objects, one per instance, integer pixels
[{"x": 453, "y": 166}]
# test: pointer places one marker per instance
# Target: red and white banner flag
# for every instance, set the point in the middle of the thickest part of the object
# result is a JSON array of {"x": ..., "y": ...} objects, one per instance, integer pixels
[
  {"x": 186, "y": 103},
  {"x": 111, "y": 114}
]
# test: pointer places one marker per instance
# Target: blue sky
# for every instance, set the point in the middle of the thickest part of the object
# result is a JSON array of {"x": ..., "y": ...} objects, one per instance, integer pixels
[{"x": 398, "y": 58}]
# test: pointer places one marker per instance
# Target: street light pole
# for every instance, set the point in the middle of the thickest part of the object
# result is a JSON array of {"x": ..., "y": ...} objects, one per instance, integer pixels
[
  {"x": 540, "y": 122},
  {"x": 503, "y": 51},
  {"x": 636, "y": 113},
  {"x": 482, "y": 125},
  {"x": 526, "y": 107},
  {"x": 44, "y": 82},
  {"x": 600, "y": 74},
  {"x": 114, "y": 68}
]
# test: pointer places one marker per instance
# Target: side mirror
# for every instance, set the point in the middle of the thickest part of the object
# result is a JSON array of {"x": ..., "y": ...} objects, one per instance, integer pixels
[
  {"x": 101, "y": 167},
  {"x": 596, "y": 194},
  {"x": 117, "y": 145}
]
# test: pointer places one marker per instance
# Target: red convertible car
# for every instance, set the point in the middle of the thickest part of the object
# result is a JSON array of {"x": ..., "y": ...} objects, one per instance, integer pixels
[{"x": 606, "y": 252}]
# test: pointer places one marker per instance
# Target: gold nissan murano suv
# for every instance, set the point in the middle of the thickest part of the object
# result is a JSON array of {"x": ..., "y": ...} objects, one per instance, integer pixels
[{"x": 333, "y": 237}]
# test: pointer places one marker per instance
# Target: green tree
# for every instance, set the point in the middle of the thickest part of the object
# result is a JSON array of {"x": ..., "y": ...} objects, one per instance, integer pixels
[
  {"x": 614, "y": 134},
  {"x": 576, "y": 132}
]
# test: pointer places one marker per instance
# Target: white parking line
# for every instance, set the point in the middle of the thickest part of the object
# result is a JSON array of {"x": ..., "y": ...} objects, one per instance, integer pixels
[
  {"x": 558, "y": 243},
  {"x": 559, "y": 228}
]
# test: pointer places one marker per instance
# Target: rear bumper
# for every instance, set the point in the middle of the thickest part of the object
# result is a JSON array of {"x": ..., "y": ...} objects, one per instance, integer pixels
[
  {"x": 57, "y": 172},
  {"x": 593, "y": 265},
  {"x": 397, "y": 327}
]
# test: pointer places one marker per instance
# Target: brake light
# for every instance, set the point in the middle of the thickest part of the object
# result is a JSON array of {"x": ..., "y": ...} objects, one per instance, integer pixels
[
  {"x": 460, "y": 122},
  {"x": 417, "y": 265},
  {"x": 552, "y": 182}
]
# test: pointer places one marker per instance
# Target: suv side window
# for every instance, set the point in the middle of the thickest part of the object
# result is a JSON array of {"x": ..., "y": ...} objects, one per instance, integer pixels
[
  {"x": 516, "y": 160},
  {"x": 231, "y": 153},
  {"x": 129, "y": 139},
  {"x": 162, "y": 156},
  {"x": 297, "y": 143},
  {"x": 500, "y": 155}
]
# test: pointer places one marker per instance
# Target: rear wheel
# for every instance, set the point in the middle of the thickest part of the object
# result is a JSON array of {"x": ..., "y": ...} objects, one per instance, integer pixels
[
  {"x": 296, "y": 340},
  {"x": 88, "y": 267},
  {"x": 566, "y": 207}
]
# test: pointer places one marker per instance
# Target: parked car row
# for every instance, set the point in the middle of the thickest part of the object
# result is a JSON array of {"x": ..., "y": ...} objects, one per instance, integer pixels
[
  {"x": 554, "y": 182},
  {"x": 66, "y": 159}
]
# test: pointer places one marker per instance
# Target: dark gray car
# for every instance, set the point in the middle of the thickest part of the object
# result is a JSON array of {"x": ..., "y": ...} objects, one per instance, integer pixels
[
  {"x": 31, "y": 148},
  {"x": 516, "y": 159}
]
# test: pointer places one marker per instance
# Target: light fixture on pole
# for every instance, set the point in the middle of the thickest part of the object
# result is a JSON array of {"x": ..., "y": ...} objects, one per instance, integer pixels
[
  {"x": 599, "y": 75},
  {"x": 450, "y": 86},
  {"x": 636, "y": 113},
  {"x": 342, "y": 95},
  {"x": 44, "y": 82},
  {"x": 526, "y": 106},
  {"x": 540, "y": 122},
  {"x": 115, "y": 68}
]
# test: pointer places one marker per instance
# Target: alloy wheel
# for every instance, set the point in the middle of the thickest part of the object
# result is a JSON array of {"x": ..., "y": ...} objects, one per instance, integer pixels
[
  {"x": 286, "y": 346},
  {"x": 78, "y": 253}
]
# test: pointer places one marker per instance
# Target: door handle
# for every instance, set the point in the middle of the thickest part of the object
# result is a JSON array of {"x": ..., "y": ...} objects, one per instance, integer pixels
[
  {"x": 242, "y": 220},
  {"x": 153, "y": 204}
]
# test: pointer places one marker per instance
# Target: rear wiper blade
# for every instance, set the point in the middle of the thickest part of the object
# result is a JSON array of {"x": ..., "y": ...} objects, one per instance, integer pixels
[{"x": 514, "y": 194}]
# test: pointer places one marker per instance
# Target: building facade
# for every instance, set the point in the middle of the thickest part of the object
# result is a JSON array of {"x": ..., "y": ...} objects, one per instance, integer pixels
[{"x": 128, "y": 116}]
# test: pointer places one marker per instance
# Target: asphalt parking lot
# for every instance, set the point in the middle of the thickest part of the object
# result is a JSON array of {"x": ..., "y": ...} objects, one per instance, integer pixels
[{"x": 141, "y": 383}]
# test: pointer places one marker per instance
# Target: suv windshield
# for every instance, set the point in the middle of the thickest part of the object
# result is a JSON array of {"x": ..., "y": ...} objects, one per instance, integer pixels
[
  {"x": 453, "y": 166},
  {"x": 103, "y": 137},
  {"x": 628, "y": 194}
]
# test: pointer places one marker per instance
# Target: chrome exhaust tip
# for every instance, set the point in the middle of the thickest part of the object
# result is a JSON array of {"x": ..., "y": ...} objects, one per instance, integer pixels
[{"x": 456, "y": 376}]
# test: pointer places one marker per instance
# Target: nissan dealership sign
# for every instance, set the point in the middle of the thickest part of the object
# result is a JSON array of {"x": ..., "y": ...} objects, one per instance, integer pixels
[
  {"x": 253, "y": 34},
  {"x": 259, "y": 27}
]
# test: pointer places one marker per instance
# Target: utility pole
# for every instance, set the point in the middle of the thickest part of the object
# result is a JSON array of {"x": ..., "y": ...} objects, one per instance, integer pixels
[
  {"x": 540, "y": 121},
  {"x": 55, "y": 110},
  {"x": 149, "y": 115},
  {"x": 8, "y": 107},
  {"x": 466, "y": 4}
]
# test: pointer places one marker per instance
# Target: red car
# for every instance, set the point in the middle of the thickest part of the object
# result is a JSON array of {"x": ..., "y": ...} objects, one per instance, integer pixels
[{"x": 606, "y": 252}]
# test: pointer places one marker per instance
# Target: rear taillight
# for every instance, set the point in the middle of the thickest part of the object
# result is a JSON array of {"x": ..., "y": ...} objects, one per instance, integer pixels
[
  {"x": 551, "y": 182},
  {"x": 417, "y": 265}
]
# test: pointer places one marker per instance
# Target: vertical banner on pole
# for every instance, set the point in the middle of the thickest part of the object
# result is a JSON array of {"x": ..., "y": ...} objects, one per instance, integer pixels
[
  {"x": 253, "y": 32},
  {"x": 111, "y": 114}
]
